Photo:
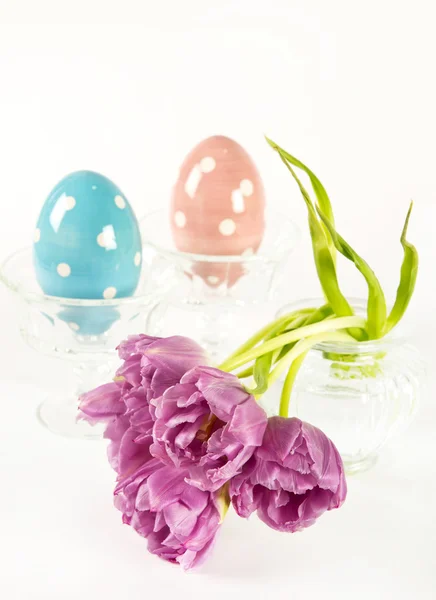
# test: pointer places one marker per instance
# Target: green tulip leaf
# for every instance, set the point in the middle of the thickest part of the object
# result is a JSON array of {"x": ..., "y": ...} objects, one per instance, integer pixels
[
  {"x": 322, "y": 197},
  {"x": 324, "y": 262},
  {"x": 409, "y": 272},
  {"x": 261, "y": 371},
  {"x": 262, "y": 365},
  {"x": 376, "y": 298},
  {"x": 316, "y": 317}
]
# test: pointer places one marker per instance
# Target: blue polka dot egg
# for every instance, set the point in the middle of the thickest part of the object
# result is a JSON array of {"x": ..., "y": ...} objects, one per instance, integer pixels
[{"x": 87, "y": 242}]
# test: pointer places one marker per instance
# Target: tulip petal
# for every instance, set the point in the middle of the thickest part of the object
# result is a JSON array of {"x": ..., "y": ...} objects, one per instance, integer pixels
[
  {"x": 102, "y": 403},
  {"x": 293, "y": 477},
  {"x": 179, "y": 521}
]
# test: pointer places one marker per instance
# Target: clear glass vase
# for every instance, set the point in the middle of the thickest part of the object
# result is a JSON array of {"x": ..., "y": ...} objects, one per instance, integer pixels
[
  {"x": 359, "y": 393},
  {"x": 217, "y": 298}
]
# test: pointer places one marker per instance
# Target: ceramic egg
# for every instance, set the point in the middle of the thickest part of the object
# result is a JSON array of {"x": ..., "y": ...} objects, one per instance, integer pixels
[
  {"x": 87, "y": 242},
  {"x": 218, "y": 205},
  {"x": 87, "y": 245}
]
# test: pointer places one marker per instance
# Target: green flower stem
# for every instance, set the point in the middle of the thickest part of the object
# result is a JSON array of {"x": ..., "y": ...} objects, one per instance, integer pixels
[
  {"x": 289, "y": 383},
  {"x": 296, "y": 357},
  {"x": 294, "y": 324},
  {"x": 293, "y": 336},
  {"x": 262, "y": 364},
  {"x": 282, "y": 321},
  {"x": 321, "y": 314},
  {"x": 248, "y": 372},
  {"x": 276, "y": 355},
  {"x": 303, "y": 346}
]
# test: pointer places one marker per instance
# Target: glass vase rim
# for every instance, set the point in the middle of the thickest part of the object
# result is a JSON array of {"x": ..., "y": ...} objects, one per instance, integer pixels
[{"x": 259, "y": 257}]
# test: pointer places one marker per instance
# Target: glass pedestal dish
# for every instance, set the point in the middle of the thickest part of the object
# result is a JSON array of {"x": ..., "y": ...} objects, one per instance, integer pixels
[
  {"x": 217, "y": 300},
  {"x": 83, "y": 332},
  {"x": 360, "y": 394}
]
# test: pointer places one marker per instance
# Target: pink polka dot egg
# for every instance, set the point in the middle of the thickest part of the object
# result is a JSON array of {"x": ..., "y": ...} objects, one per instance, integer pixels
[
  {"x": 87, "y": 242},
  {"x": 218, "y": 205}
]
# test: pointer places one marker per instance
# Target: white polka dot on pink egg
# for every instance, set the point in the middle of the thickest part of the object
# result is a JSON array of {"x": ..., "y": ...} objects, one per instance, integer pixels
[{"x": 227, "y": 227}]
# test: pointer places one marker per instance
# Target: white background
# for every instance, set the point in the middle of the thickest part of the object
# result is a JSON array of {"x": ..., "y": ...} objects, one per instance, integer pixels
[{"x": 127, "y": 88}]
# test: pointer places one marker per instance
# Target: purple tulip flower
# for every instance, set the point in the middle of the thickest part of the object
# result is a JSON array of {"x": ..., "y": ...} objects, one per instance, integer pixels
[
  {"x": 179, "y": 521},
  {"x": 150, "y": 366},
  {"x": 292, "y": 479},
  {"x": 209, "y": 424},
  {"x": 158, "y": 363}
]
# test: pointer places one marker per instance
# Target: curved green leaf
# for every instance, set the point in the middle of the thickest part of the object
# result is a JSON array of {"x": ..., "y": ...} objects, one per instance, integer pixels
[
  {"x": 261, "y": 371},
  {"x": 325, "y": 265},
  {"x": 322, "y": 197},
  {"x": 376, "y": 298},
  {"x": 409, "y": 272},
  {"x": 262, "y": 365},
  {"x": 318, "y": 315}
]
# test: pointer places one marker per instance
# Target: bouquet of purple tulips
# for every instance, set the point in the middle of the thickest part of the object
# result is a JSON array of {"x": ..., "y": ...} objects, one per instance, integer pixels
[{"x": 187, "y": 439}]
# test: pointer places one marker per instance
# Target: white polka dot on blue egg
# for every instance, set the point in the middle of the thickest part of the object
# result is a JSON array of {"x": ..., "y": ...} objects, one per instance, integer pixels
[{"x": 87, "y": 242}]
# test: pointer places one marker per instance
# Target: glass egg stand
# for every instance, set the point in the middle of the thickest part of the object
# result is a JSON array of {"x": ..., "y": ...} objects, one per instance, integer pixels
[
  {"x": 217, "y": 299},
  {"x": 83, "y": 332}
]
